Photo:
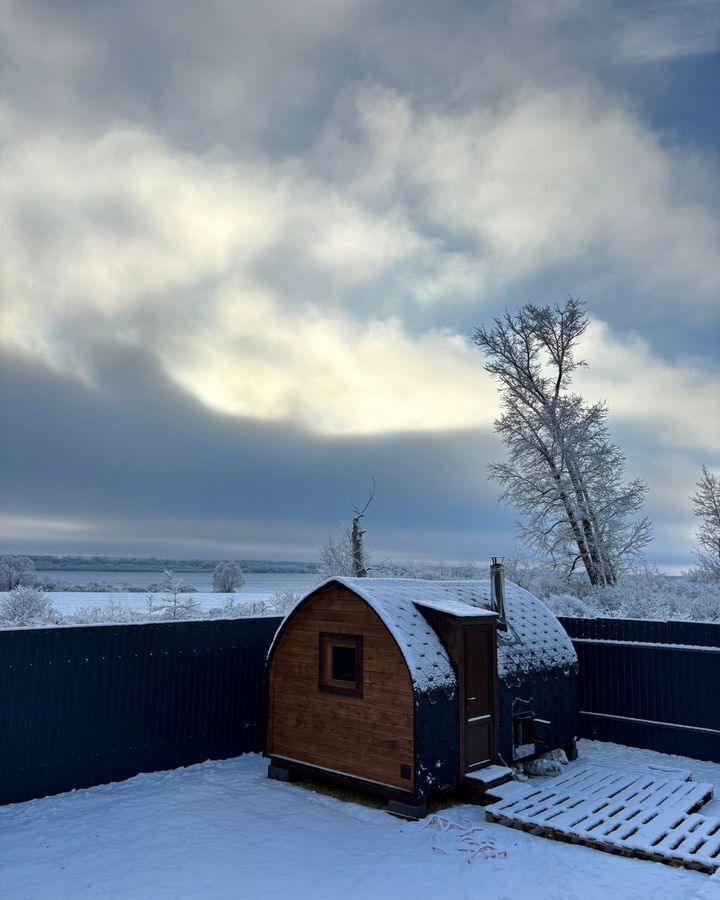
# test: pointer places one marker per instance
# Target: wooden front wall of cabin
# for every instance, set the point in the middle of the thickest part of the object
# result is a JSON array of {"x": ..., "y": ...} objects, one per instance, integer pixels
[{"x": 368, "y": 736}]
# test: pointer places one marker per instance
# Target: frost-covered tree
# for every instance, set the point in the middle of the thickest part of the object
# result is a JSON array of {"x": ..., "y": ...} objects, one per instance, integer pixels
[
  {"x": 227, "y": 578},
  {"x": 336, "y": 554},
  {"x": 344, "y": 553},
  {"x": 563, "y": 473},
  {"x": 15, "y": 570},
  {"x": 286, "y": 599},
  {"x": 25, "y": 605},
  {"x": 177, "y": 602},
  {"x": 706, "y": 506}
]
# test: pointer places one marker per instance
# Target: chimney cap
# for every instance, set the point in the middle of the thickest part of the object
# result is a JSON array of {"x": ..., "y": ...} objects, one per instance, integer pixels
[{"x": 497, "y": 560}]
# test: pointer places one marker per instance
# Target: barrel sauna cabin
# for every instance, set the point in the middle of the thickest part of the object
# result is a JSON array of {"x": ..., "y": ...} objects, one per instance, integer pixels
[{"x": 409, "y": 688}]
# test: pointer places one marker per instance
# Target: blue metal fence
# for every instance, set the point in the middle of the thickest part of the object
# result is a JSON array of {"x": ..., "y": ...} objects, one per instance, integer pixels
[
  {"x": 650, "y": 684},
  {"x": 88, "y": 705}
]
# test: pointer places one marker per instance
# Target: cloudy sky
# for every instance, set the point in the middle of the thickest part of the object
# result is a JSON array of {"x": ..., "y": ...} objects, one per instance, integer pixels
[{"x": 245, "y": 245}]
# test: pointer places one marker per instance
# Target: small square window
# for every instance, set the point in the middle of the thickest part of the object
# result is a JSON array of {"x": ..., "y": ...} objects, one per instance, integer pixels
[
  {"x": 344, "y": 663},
  {"x": 341, "y": 664}
]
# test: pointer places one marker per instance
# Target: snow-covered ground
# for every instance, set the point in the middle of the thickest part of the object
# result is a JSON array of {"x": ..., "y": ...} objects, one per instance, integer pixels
[
  {"x": 262, "y": 582},
  {"x": 258, "y": 587},
  {"x": 262, "y": 594},
  {"x": 71, "y": 602},
  {"x": 223, "y": 830}
]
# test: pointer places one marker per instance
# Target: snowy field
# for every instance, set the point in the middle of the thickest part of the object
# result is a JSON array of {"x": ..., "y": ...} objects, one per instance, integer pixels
[
  {"x": 644, "y": 595},
  {"x": 223, "y": 830},
  {"x": 255, "y": 596},
  {"x": 262, "y": 582},
  {"x": 258, "y": 587},
  {"x": 70, "y": 602}
]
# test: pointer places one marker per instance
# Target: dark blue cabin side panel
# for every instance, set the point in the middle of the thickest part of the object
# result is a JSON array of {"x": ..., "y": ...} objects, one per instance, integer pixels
[
  {"x": 550, "y": 695},
  {"x": 437, "y": 742}
]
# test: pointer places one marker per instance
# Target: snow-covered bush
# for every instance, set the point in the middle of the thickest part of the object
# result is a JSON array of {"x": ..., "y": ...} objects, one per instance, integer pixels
[
  {"x": 58, "y": 585},
  {"x": 436, "y": 571},
  {"x": 257, "y": 608},
  {"x": 336, "y": 557},
  {"x": 569, "y": 605},
  {"x": 26, "y": 605},
  {"x": 231, "y": 609},
  {"x": 15, "y": 571},
  {"x": 643, "y": 593},
  {"x": 169, "y": 583},
  {"x": 227, "y": 578},
  {"x": 173, "y": 605},
  {"x": 285, "y": 600},
  {"x": 637, "y": 595},
  {"x": 102, "y": 614}
]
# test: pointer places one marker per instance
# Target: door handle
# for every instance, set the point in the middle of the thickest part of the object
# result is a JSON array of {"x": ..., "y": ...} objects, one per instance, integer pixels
[{"x": 472, "y": 698}]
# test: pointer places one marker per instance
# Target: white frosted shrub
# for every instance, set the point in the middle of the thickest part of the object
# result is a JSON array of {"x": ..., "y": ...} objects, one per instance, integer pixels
[
  {"x": 285, "y": 600},
  {"x": 644, "y": 595},
  {"x": 568, "y": 605},
  {"x": 103, "y": 614},
  {"x": 25, "y": 605},
  {"x": 227, "y": 578}
]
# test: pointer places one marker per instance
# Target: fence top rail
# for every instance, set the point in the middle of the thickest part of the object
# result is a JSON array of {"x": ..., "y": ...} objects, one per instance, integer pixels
[
  {"x": 621, "y": 620},
  {"x": 646, "y": 645},
  {"x": 667, "y": 631},
  {"x": 165, "y": 623}
]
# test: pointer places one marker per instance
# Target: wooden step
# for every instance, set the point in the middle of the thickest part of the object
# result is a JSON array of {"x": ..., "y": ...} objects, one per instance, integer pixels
[{"x": 488, "y": 777}]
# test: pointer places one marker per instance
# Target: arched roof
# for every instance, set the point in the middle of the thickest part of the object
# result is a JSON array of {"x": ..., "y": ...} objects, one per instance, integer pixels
[{"x": 534, "y": 639}]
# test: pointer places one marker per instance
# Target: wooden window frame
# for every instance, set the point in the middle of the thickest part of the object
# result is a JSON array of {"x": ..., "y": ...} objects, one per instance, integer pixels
[{"x": 327, "y": 683}]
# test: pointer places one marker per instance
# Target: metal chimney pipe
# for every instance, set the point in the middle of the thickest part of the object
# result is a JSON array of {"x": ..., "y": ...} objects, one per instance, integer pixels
[{"x": 497, "y": 590}]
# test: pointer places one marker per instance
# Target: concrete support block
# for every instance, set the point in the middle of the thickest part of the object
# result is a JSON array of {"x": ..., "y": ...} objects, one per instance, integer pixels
[
  {"x": 416, "y": 809},
  {"x": 280, "y": 773}
]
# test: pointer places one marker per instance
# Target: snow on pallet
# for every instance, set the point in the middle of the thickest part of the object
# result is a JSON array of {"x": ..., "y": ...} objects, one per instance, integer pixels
[{"x": 641, "y": 814}]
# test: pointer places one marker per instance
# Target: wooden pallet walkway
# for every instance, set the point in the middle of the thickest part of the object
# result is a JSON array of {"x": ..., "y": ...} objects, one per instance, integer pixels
[{"x": 633, "y": 814}]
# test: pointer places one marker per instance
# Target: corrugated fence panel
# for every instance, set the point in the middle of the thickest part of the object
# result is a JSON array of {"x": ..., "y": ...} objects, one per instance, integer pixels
[
  {"x": 650, "y": 684},
  {"x": 699, "y": 634},
  {"x": 93, "y": 704}
]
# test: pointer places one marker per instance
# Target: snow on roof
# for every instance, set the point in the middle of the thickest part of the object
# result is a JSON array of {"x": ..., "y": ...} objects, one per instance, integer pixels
[
  {"x": 454, "y": 608},
  {"x": 534, "y": 639},
  {"x": 393, "y": 599}
]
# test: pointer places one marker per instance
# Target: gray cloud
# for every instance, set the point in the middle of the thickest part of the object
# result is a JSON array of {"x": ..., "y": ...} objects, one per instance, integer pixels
[
  {"x": 294, "y": 216},
  {"x": 668, "y": 29},
  {"x": 149, "y": 464},
  {"x": 141, "y": 468}
]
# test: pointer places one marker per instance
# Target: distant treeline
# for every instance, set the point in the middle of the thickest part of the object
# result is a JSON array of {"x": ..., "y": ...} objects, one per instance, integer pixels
[{"x": 154, "y": 564}]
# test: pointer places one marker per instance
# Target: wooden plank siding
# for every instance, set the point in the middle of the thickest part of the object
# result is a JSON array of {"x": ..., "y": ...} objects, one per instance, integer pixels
[{"x": 368, "y": 737}]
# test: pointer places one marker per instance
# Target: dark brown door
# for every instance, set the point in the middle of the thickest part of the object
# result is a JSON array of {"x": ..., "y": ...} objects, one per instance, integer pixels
[{"x": 479, "y": 685}]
